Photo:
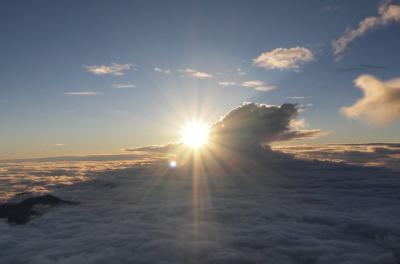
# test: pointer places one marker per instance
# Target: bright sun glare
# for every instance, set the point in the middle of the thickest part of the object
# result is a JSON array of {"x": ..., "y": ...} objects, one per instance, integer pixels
[{"x": 195, "y": 134}]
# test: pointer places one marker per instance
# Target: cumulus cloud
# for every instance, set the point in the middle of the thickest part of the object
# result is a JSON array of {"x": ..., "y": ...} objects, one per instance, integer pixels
[
  {"x": 197, "y": 74},
  {"x": 251, "y": 125},
  {"x": 113, "y": 69},
  {"x": 82, "y": 93},
  {"x": 284, "y": 58},
  {"x": 380, "y": 103},
  {"x": 387, "y": 13},
  {"x": 256, "y": 84},
  {"x": 122, "y": 86},
  {"x": 160, "y": 70}
]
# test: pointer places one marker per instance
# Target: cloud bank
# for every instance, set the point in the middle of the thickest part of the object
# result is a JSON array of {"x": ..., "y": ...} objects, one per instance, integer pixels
[
  {"x": 113, "y": 69},
  {"x": 251, "y": 125},
  {"x": 387, "y": 13},
  {"x": 380, "y": 103},
  {"x": 370, "y": 154},
  {"x": 284, "y": 58}
]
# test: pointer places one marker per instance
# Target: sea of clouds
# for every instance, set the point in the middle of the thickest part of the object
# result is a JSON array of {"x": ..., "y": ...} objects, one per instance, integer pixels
[{"x": 283, "y": 211}]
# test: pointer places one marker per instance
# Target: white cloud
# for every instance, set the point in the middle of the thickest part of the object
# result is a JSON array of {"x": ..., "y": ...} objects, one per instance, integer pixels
[
  {"x": 59, "y": 145},
  {"x": 83, "y": 93},
  {"x": 227, "y": 83},
  {"x": 380, "y": 103},
  {"x": 284, "y": 59},
  {"x": 122, "y": 86},
  {"x": 166, "y": 71},
  {"x": 256, "y": 84},
  {"x": 197, "y": 74},
  {"x": 387, "y": 13},
  {"x": 113, "y": 69}
]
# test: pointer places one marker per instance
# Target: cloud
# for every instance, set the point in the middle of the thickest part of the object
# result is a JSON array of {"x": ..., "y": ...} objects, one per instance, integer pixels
[
  {"x": 83, "y": 93},
  {"x": 122, "y": 86},
  {"x": 197, "y": 74},
  {"x": 289, "y": 211},
  {"x": 283, "y": 58},
  {"x": 380, "y": 103},
  {"x": 372, "y": 154},
  {"x": 251, "y": 125},
  {"x": 166, "y": 71},
  {"x": 113, "y": 69},
  {"x": 256, "y": 84},
  {"x": 296, "y": 97},
  {"x": 59, "y": 145},
  {"x": 227, "y": 83},
  {"x": 387, "y": 14}
]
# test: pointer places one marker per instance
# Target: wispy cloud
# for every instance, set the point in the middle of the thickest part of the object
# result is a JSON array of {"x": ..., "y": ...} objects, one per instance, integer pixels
[
  {"x": 197, "y": 74},
  {"x": 113, "y": 69},
  {"x": 256, "y": 84},
  {"x": 380, "y": 103},
  {"x": 160, "y": 70},
  {"x": 227, "y": 83},
  {"x": 59, "y": 145},
  {"x": 284, "y": 59},
  {"x": 82, "y": 93},
  {"x": 387, "y": 13},
  {"x": 122, "y": 86},
  {"x": 296, "y": 97}
]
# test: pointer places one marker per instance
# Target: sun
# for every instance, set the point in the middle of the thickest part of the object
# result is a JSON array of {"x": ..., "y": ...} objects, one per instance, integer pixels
[{"x": 195, "y": 135}]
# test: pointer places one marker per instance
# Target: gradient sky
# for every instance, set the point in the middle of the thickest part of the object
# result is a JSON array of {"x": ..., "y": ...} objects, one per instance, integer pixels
[{"x": 51, "y": 104}]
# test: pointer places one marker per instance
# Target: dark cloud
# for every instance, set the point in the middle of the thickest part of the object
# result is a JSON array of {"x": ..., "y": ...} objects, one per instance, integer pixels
[{"x": 252, "y": 124}]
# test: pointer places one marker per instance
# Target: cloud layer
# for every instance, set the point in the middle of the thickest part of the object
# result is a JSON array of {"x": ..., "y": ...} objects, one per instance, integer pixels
[
  {"x": 387, "y": 14},
  {"x": 380, "y": 103},
  {"x": 113, "y": 69},
  {"x": 283, "y": 58},
  {"x": 286, "y": 211},
  {"x": 251, "y": 125},
  {"x": 372, "y": 154}
]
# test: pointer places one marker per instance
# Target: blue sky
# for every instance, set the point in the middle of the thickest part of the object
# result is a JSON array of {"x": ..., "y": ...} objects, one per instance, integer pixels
[{"x": 47, "y": 48}]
